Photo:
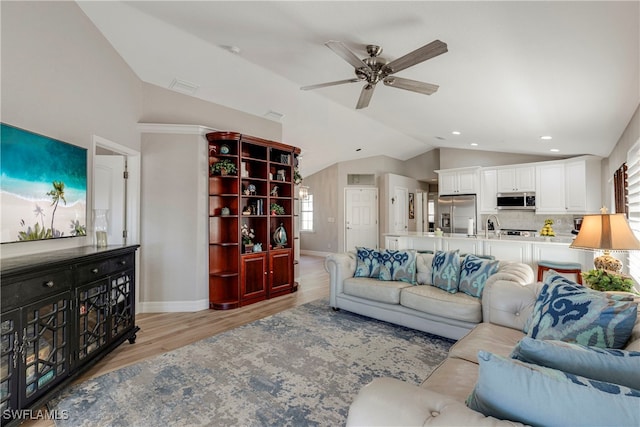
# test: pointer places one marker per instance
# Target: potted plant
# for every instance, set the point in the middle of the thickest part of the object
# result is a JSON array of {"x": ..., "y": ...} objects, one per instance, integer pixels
[
  {"x": 276, "y": 209},
  {"x": 606, "y": 280},
  {"x": 247, "y": 237},
  {"x": 223, "y": 167},
  {"x": 297, "y": 178}
]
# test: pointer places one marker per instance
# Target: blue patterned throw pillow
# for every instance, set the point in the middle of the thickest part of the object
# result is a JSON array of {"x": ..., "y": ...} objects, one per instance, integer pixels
[
  {"x": 367, "y": 263},
  {"x": 569, "y": 312},
  {"x": 512, "y": 390},
  {"x": 398, "y": 265},
  {"x": 474, "y": 273},
  {"x": 446, "y": 270},
  {"x": 602, "y": 364}
]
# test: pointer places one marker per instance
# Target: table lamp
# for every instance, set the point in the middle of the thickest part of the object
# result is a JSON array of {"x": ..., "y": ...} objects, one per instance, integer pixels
[{"x": 606, "y": 232}]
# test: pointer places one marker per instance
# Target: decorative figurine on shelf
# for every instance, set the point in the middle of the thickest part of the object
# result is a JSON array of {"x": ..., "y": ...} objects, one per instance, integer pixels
[
  {"x": 280, "y": 175},
  {"x": 257, "y": 247},
  {"x": 280, "y": 236},
  {"x": 247, "y": 211},
  {"x": 252, "y": 189},
  {"x": 274, "y": 191},
  {"x": 547, "y": 231},
  {"x": 213, "y": 150},
  {"x": 245, "y": 191}
]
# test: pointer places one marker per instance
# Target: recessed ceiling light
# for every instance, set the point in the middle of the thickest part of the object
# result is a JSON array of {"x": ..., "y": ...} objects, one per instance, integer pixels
[
  {"x": 554, "y": 150},
  {"x": 474, "y": 144},
  {"x": 455, "y": 132},
  {"x": 546, "y": 137}
]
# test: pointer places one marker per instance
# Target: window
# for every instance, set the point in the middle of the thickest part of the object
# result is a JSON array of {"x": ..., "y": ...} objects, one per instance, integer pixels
[
  {"x": 306, "y": 213},
  {"x": 633, "y": 197}
]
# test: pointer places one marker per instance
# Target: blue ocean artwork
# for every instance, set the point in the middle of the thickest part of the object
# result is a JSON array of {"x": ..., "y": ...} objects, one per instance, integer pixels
[{"x": 43, "y": 186}]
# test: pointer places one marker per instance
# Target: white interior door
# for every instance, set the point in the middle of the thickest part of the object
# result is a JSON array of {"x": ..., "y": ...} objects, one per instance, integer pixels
[
  {"x": 110, "y": 193},
  {"x": 400, "y": 210},
  {"x": 361, "y": 218}
]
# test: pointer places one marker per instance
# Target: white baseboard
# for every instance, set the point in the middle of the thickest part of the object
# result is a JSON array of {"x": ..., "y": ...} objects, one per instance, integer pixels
[
  {"x": 315, "y": 253},
  {"x": 173, "y": 306}
]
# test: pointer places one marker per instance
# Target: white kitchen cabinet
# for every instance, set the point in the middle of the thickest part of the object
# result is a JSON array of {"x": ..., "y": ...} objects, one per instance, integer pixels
[
  {"x": 582, "y": 185},
  {"x": 458, "y": 181},
  {"x": 516, "y": 179},
  {"x": 488, "y": 191},
  {"x": 550, "y": 188},
  {"x": 569, "y": 187}
]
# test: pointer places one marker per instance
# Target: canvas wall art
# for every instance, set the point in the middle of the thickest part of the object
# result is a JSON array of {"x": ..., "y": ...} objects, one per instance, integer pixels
[{"x": 43, "y": 187}]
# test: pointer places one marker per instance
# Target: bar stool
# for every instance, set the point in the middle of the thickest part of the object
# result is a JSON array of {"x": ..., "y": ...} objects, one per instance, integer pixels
[{"x": 560, "y": 267}]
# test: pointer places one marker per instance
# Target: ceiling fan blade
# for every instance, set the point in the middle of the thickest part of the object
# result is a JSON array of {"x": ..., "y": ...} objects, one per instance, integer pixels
[
  {"x": 365, "y": 96},
  {"x": 419, "y": 55},
  {"x": 346, "y": 54},
  {"x": 412, "y": 85},
  {"x": 339, "y": 82}
]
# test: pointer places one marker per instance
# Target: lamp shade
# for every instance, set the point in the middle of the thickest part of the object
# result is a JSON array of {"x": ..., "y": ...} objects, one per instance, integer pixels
[{"x": 608, "y": 232}]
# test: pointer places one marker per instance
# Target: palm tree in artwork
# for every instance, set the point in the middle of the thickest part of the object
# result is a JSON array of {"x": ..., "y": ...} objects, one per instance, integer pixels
[{"x": 56, "y": 194}]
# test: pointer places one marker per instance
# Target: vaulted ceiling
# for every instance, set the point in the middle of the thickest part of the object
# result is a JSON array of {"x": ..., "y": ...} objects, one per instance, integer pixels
[{"x": 514, "y": 71}]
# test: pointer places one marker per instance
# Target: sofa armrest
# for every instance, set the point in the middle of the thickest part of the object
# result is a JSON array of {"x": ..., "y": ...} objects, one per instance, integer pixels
[
  {"x": 391, "y": 402},
  {"x": 340, "y": 266},
  {"x": 508, "y": 303}
]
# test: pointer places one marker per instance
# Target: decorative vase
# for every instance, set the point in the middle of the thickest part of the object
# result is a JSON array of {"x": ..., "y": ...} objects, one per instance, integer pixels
[
  {"x": 101, "y": 227},
  {"x": 248, "y": 248},
  {"x": 225, "y": 211},
  {"x": 280, "y": 236}
]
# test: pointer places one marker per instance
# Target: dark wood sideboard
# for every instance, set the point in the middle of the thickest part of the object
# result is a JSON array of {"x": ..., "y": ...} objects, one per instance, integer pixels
[{"x": 61, "y": 312}]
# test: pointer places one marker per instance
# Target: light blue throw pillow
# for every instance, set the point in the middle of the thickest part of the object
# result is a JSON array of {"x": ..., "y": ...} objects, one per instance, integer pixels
[
  {"x": 535, "y": 395},
  {"x": 367, "y": 262},
  {"x": 474, "y": 273},
  {"x": 398, "y": 265},
  {"x": 569, "y": 312},
  {"x": 610, "y": 365},
  {"x": 446, "y": 270}
]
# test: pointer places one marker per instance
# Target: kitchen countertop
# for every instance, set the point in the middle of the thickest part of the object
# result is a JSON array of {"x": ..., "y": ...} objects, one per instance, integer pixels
[{"x": 559, "y": 240}]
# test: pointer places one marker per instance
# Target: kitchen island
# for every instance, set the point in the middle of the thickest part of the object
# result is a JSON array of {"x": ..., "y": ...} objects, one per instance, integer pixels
[{"x": 528, "y": 250}]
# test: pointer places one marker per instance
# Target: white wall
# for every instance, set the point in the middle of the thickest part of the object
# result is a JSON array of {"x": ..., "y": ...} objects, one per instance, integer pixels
[{"x": 62, "y": 79}]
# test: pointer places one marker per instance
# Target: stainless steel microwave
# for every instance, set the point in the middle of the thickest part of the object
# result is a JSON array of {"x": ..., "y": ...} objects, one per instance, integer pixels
[{"x": 516, "y": 201}]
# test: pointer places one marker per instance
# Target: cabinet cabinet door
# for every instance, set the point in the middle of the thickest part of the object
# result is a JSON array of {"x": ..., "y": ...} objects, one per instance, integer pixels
[
  {"x": 467, "y": 182},
  {"x": 122, "y": 300},
  {"x": 9, "y": 356},
  {"x": 280, "y": 274},
  {"x": 517, "y": 179},
  {"x": 91, "y": 315},
  {"x": 550, "y": 196},
  {"x": 488, "y": 191},
  {"x": 253, "y": 276},
  {"x": 46, "y": 346},
  {"x": 448, "y": 183},
  {"x": 506, "y": 180}
]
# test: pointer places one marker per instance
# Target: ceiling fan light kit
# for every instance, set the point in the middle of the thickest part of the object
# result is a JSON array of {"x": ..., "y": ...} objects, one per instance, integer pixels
[{"x": 374, "y": 69}]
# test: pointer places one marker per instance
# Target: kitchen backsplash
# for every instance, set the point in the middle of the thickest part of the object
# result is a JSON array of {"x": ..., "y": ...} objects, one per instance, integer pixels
[{"x": 523, "y": 220}]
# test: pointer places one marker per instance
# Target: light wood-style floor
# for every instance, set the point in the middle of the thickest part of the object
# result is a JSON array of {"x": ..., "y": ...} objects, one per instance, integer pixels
[{"x": 163, "y": 332}]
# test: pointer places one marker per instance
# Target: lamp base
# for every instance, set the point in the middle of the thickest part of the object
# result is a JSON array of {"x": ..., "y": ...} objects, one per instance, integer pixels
[{"x": 607, "y": 262}]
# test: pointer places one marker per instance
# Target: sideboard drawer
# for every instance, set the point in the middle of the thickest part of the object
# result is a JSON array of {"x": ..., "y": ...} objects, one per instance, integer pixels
[
  {"x": 92, "y": 271},
  {"x": 47, "y": 282},
  {"x": 123, "y": 262}
]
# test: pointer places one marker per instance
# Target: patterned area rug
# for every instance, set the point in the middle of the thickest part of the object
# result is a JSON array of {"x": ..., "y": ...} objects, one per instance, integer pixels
[{"x": 301, "y": 367}]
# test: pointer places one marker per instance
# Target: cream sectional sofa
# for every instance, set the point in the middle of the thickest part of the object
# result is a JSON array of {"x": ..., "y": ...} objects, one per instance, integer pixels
[
  {"x": 422, "y": 307},
  {"x": 440, "y": 400}
]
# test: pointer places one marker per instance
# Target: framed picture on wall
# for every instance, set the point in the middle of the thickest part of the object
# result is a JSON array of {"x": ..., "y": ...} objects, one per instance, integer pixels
[
  {"x": 411, "y": 207},
  {"x": 44, "y": 187}
]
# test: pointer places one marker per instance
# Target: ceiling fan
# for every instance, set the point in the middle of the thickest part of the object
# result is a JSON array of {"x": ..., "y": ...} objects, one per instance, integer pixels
[{"x": 374, "y": 69}]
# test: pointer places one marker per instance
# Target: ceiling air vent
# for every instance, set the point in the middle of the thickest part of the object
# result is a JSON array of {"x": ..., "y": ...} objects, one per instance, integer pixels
[{"x": 183, "y": 86}]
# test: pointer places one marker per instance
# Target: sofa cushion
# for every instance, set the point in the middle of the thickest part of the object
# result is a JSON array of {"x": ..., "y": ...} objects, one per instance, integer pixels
[
  {"x": 437, "y": 302},
  {"x": 367, "y": 262},
  {"x": 446, "y": 270},
  {"x": 374, "y": 289},
  {"x": 474, "y": 273},
  {"x": 611, "y": 365},
  {"x": 454, "y": 377},
  {"x": 398, "y": 265},
  {"x": 497, "y": 339},
  {"x": 513, "y": 390},
  {"x": 570, "y": 312}
]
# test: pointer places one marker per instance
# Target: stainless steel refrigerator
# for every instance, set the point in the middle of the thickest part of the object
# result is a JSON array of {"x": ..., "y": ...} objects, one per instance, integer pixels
[{"x": 454, "y": 213}]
